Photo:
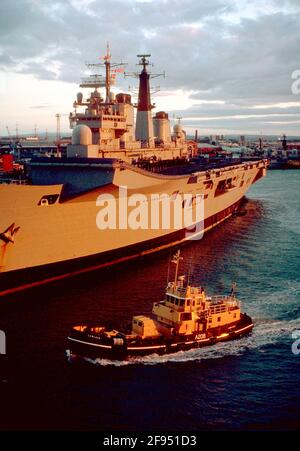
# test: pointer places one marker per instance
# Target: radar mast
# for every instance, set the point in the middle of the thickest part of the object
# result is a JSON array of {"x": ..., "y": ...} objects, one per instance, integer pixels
[{"x": 110, "y": 74}]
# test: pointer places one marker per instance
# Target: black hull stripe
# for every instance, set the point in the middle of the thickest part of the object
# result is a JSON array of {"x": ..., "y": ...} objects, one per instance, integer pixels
[{"x": 190, "y": 344}]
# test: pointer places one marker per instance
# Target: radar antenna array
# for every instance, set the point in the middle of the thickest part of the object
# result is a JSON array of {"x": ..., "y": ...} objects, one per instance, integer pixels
[
  {"x": 110, "y": 74},
  {"x": 144, "y": 61}
]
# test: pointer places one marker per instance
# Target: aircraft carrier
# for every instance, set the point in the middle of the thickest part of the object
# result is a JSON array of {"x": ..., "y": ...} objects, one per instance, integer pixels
[{"x": 49, "y": 227}]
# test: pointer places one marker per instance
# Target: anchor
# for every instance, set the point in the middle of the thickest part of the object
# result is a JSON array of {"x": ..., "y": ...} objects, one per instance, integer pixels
[{"x": 8, "y": 235}]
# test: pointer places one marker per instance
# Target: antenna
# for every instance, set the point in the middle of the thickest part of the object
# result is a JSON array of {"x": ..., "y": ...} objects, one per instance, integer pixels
[
  {"x": 155, "y": 89},
  {"x": 109, "y": 77},
  {"x": 93, "y": 81},
  {"x": 144, "y": 93},
  {"x": 57, "y": 126},
  {"x": 8, "y": 134},
  {"x": 189, "y": 273},
  {"x": 233, "y": 288},
  {"x": 176, "y": 259},
  {"x": 190, "y": 268},
  {"x": 144, "y": 61},
  {"x": 169, "y": 261}
]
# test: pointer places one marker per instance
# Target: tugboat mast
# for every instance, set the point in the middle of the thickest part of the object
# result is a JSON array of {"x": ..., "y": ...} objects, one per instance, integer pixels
[
  {"x": 233, "y": 288},
  {"x": 176, "y": 259}
]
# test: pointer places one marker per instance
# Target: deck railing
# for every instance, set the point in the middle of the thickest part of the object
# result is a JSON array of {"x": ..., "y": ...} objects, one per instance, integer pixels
[{"x": 231, "y": 301}]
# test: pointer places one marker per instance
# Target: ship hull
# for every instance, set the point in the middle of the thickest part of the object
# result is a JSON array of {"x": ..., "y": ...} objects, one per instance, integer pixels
[
  {"x": 82, "y": 344},
  {"x": 20, "y": 280},
  {"x": 61, "y": 240}
]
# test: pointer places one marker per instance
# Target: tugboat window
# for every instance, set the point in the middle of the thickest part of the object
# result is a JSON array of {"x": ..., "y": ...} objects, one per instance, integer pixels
[{"x": 186, "y": 317}]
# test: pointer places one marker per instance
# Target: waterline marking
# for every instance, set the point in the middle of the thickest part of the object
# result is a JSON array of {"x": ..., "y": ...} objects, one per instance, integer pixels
[
  {"x": 153, "y": 212},
  {"x": 2, "y": 342}
]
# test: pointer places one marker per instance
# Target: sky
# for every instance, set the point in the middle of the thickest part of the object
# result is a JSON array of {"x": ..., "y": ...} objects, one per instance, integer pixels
[{"x": 228, "y": 63}]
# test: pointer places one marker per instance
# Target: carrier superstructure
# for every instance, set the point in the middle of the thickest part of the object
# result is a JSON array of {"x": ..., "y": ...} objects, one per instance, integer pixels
[{"x": 107, "y": 127}]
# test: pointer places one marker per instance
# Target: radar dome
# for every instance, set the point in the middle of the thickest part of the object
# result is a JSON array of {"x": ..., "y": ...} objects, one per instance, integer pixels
[
  {"x": 79, "y": 97},
  {"x": 82, "y": 135},
  {"x": 177, "y": 128}
]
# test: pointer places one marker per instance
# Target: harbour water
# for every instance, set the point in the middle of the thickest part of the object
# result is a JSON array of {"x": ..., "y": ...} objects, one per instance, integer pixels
[{"x": 252, "y": 383}]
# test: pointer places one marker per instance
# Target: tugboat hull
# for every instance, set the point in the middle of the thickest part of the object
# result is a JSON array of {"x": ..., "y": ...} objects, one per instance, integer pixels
[{"x": 87, "y": 345}]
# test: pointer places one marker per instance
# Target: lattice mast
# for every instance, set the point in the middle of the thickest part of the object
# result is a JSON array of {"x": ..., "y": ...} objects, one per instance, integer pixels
[{"x": 110, "y": 74}]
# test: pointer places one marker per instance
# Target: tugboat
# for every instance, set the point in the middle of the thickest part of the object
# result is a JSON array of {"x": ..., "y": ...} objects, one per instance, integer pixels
[{"x": 185, "y": 319}]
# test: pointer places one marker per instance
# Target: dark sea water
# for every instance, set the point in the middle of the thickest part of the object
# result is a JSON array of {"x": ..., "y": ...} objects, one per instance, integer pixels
[{"x": 252, "y": 383}]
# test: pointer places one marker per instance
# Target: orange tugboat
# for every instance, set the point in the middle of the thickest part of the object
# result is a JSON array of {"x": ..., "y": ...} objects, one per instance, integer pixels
[{"x": 185, "y": 319}]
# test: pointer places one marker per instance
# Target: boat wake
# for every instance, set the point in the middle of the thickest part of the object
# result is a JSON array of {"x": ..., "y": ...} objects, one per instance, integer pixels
[{"x": 263, "y": 334}]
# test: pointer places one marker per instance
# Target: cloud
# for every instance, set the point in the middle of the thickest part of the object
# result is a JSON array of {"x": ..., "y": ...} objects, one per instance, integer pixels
[
  {"x": 225, "y": 56},
  {"x": 39, "y": 107}
]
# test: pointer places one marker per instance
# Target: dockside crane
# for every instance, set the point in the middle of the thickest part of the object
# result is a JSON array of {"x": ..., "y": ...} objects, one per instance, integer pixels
[{"x": 58, "y": 135}]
